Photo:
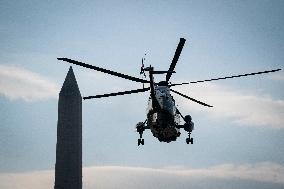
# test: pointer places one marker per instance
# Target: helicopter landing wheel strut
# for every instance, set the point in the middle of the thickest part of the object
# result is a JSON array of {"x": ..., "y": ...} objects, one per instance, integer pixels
[
  {"x": 189, "y": 139},
  {"x": 140, "y": 140}
]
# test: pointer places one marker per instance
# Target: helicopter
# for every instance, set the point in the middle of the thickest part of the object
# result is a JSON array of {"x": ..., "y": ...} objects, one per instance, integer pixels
[{"x": 163, "y": 116}]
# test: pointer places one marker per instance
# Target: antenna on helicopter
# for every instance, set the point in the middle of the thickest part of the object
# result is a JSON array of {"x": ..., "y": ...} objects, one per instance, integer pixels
[{"x": 142, "y": 71}]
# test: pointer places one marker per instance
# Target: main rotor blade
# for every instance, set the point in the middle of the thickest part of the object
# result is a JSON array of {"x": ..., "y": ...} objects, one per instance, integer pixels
[
  {"x": 104, "y": 70},
  {"x": 228, "y": 77},
  {"x": 192, "y": 99},
  {"x": 175, "y": 59},
  {"x": 118, "y": 93}
]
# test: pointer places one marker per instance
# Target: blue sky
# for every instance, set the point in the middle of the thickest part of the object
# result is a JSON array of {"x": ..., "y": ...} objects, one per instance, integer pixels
[{"x": 238, "y": 142}]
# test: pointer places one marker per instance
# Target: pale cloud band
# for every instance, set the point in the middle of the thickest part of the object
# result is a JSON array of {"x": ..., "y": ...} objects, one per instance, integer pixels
[
  {"x": 278, "y": 76},
  {"x": 19, "y": 83},
  {"x": 240, "y": 107},
  {"x": 270, "y": 175}
]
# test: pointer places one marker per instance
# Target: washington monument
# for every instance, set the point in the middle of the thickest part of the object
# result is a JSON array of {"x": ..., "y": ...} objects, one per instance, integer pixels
[{"x": 68, "y": 167}]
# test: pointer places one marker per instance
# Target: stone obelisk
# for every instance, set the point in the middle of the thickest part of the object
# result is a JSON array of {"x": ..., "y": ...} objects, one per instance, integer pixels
[{"x": 68, "y": 167}]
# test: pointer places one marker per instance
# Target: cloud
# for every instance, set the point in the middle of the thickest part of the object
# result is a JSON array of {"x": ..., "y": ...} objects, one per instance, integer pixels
[
  {"x": 262, "y": 175},
  {"x": 242, "y": 108},
  {"x": 19, "y": 83},
  {"x": 278, "y": 76}
]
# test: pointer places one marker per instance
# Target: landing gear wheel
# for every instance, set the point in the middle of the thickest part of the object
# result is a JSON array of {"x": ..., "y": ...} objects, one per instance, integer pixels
[
  {"x": 187, "y": 140},
  {"x": 140, "y": 141}
]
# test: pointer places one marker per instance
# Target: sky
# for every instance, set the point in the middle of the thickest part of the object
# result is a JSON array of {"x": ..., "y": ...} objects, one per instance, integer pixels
[{"x": 237, "y": 144}]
